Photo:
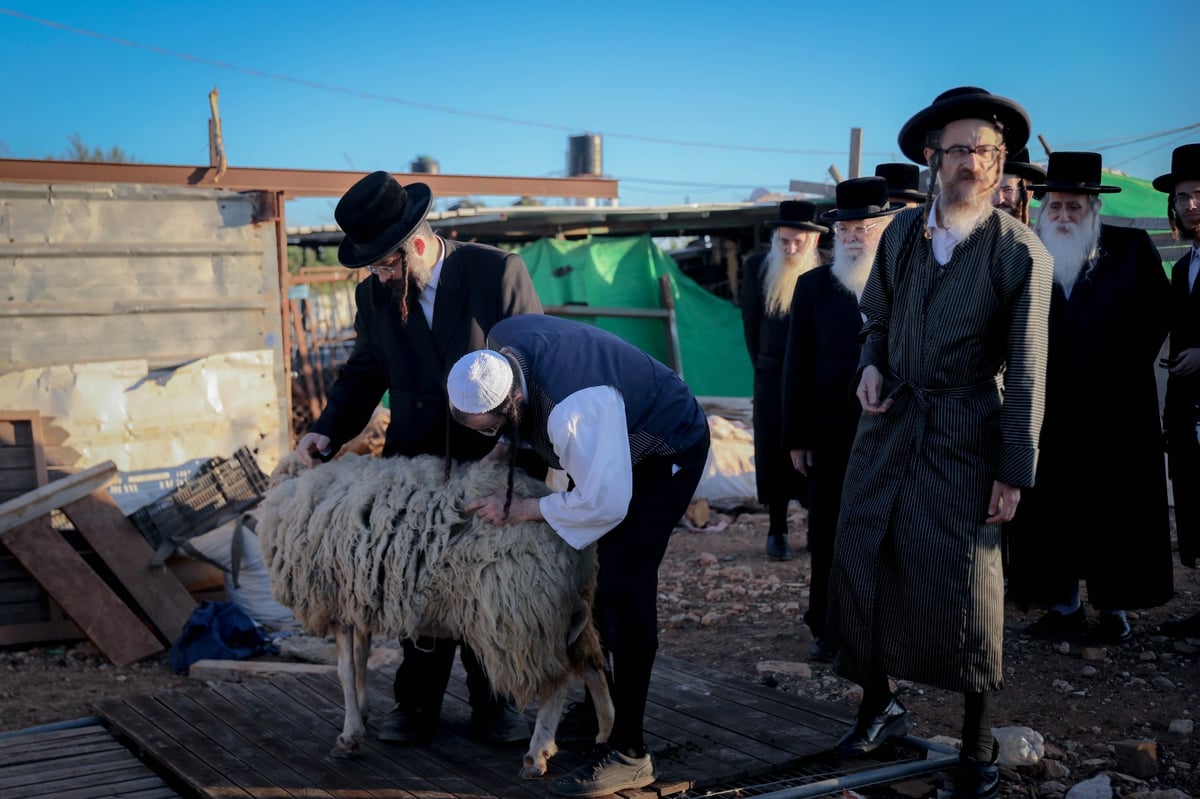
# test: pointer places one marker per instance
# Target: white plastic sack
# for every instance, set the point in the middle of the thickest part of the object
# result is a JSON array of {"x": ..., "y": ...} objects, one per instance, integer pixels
[
  {"x": 729, "y": 474},
  {"x": 253, "y": 590}
]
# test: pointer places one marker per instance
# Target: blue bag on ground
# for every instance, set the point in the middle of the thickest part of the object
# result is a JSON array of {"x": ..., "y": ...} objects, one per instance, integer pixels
[{"x": 218, "y": 631}]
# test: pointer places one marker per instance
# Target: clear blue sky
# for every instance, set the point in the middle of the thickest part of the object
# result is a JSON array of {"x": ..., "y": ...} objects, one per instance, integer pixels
[{"x": 697, "y": 102}]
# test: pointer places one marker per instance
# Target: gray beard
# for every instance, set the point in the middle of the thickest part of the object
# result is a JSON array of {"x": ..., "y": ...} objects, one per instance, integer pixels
[
  {"x": 962, "y": 217},
  {"x": 779, "y": 279},
  {"x": 1073, "y": 252},
  {"x": 852, "y": 269}
]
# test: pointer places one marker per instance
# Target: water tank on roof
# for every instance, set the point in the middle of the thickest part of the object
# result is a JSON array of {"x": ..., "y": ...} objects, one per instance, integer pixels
[
  {"x": 585, "y": 155},
  {"x": 424, "y": 165}
]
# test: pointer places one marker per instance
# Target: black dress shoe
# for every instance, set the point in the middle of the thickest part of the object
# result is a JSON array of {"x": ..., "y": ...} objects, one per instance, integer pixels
[
  {"x": 1056, "y": 624},
  {"x": 503, "y": 727},
  {"x": 777, "y": 547},
  {"x": 976, "y": 779},
  {"x": 1182, "y": 628},
  {"x": 1113, "y": 628},
  {"x": 408, "y": 726},
  {"x": 823, "y": 650},
  {"x": 868, "y": 735}
]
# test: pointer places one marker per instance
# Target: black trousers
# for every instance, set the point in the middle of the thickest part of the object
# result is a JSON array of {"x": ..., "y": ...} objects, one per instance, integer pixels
[
  {"x": 424, "y": 673},
  {"x": 627, "y": 595}
]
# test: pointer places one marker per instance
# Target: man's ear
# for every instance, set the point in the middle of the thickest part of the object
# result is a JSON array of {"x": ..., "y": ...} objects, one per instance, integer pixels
[
  {"x": 419, "y": 245},
  {"x": 929, "y": 151}
]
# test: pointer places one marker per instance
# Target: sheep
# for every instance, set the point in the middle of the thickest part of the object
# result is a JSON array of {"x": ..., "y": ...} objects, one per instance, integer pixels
[{"x": 381, "y": 546}]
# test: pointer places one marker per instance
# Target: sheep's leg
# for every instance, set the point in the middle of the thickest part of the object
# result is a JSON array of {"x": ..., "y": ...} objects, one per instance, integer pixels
[
  {"x": 597, "y": 686},
  {"x": 362, "y": 651},
  {"x": 542, "y": 745},
  {"x": 353, "y": 728}
]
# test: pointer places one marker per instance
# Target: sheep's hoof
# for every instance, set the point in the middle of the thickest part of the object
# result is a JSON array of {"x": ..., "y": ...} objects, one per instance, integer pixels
[
  {"x": 532, "y": 770},
  {"x": 344, "y": 750}
]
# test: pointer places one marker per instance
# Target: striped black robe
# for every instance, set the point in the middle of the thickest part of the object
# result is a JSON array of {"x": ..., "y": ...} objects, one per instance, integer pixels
[{"x": 917, "y": 578}]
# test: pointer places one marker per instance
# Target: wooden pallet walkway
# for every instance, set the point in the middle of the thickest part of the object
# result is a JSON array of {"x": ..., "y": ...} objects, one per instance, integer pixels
[
  {"x": 270, "y": 737},
  {"x": 77, "y": 763}
]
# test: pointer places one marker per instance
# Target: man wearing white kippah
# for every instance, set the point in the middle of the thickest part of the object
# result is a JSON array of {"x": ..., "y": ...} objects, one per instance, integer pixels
[{"x": 634, "y": 441}]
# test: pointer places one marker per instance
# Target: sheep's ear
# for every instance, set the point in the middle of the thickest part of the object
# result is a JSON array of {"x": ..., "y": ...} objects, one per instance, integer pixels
[{"x": 579, "y": 622}]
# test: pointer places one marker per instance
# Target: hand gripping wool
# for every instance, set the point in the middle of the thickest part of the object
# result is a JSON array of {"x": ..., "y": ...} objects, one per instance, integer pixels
[{"x": 381, "y": 546}]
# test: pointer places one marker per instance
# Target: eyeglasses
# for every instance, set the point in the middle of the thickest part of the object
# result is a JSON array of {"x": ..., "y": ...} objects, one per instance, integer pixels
[
  {"x": 381, "y": 270},
  {"x": 1185, "y": 197},
  {"x": 986, "y": 153},
  {"x": 858, "y": 230}
]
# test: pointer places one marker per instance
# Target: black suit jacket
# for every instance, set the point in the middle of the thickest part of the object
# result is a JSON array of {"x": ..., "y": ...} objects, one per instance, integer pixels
[{"x": 479, "y": 285}]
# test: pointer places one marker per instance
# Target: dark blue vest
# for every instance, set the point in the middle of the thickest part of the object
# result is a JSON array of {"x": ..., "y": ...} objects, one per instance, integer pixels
[{"x": 559, "y": 357}]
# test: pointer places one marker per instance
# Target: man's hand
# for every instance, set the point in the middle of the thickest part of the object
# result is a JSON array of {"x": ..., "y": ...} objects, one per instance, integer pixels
[
  {"x": 1186, "y": 363},
  {"x": 1003, "y": 505},
  {"x": 869, "y": 389},
  {"x": 491, "y": 509},
  {"x": 309, "y": 447},
  {"x": 802, "y": 460}
]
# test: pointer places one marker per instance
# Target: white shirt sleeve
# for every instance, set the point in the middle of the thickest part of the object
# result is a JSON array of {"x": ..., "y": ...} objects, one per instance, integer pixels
[{"x": 590, "y": 436}]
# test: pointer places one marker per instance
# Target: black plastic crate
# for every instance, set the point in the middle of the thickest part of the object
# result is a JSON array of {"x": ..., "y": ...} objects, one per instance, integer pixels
[{"x": 218, "y": 492}]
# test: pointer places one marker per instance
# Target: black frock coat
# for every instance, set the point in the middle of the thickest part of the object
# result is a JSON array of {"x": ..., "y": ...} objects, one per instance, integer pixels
[
  {"x": 479, "y": 285},
  {"x": 1098, "y": 509},
  {"x": 1182, "y": 414}
]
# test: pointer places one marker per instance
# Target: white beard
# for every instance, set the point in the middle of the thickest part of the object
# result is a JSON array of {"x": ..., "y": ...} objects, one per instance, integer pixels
[
  {"x": 1073, "y": 251},
  {"x": 962, "y": 219},
  {"x": 779, "y": 280},
  {"x": 852, "y": 268}
]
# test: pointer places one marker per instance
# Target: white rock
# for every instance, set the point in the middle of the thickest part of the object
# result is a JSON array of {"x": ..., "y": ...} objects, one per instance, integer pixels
[
  {"x": 789, "y": 667},
  {"x": 1019, "y": 746},
  {"x": 1098, "y": 787},
  {"x": 1181, "y": 727}
]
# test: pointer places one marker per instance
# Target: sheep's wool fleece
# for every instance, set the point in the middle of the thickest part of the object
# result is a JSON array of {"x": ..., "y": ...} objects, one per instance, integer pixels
[{"x": 383, "y": 544}]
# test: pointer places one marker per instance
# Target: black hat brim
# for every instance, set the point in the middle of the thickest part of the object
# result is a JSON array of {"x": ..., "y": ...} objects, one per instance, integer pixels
[
  {"x": 355, "y": 255},
  {"x": 771, "y": 224},
  {"x": 908, "y": 195},
  {"x": 1028, "y": 172},
  {"x": 849, "y": 214},
  {"x": 1040, "y": 189},
  {"x": 966, "y": 106}
]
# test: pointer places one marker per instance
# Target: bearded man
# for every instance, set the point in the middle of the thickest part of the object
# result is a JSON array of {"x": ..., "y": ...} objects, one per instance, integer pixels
[
  {"x": 820, "y": 413},
  {"x": 1014, "y": 193},
  {"x": 1181, "y": 415},
  {"x": 951, "y": 386},
  {"x": 768, "y": 281},
  {"x": 1107, "y": 326}
]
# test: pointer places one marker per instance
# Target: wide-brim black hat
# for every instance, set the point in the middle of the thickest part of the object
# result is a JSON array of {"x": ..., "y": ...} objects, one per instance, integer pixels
[
  {"x": 798, "y": 214},
  {"x": 377, "y": 215},
  {"x": 1021, "y": 166},
  {"x": 904, "y": 181},
  {"x": 1073, "y": 173},
  {"x": 1185, "y": 165},
  {"x": 965, "y": 102},
  {"x": 862, "y": 198}
]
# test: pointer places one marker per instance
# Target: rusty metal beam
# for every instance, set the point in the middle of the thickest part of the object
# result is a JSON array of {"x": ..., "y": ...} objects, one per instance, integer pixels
[{"x": 294, "y": 182}]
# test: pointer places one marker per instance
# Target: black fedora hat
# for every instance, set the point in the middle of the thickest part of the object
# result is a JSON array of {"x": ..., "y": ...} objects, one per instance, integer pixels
[
  {"x": 965, "y": 102},
  {"x": 1021, "y": 166},
  {"x": 903, "y": 180},
  {"x": 1073, "y": 173},
  {"x": 798, "y": 214},
  {"x": 862, "y": 198},
  {"x": 377, "y": 215},
  {"x": 1185, "y": 165}
]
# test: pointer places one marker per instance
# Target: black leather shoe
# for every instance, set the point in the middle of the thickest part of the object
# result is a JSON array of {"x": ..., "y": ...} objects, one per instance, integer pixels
[
  {"x": 506, "y": 727},
  {"x": 867, "y": 735},
  {"x": 975, "y": 779},
  {"x": 1113, "y": 628},
  {"x": 1056, "y": 624},
  {"x": 823, "y": 650},
  {"x": 1182, "y": 628},
  {"x": 403, "y": 725},
  {"x": 777, "y": 547}
]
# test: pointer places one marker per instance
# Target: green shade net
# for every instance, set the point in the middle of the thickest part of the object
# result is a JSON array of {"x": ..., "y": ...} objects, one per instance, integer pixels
[{"x": 624, "y": 273}]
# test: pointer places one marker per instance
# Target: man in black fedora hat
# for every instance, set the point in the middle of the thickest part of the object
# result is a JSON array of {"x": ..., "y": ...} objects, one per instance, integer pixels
[
  {"x": 820, "y": 413},
  {"x": 1013, "y": 194},
  {"x": 1107, "y": 327},
  {"x": 903, "y": 181},
  {"x": 767, "y": 283},
  {"x": 429, "y": 302},
  {"x": 951, "y": 386},
  {"x": 1181, "y": 413}
]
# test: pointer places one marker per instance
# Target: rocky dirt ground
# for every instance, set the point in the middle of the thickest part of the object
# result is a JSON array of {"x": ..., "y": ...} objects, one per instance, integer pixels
[{"x": 725, "y": 605}]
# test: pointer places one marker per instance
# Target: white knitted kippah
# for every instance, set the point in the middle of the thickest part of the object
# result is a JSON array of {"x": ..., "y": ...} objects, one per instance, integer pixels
[{"x": 479, "y": 381}]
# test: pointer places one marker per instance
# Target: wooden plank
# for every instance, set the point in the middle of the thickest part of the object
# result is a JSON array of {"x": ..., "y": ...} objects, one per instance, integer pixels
[
  {"x": 90, "y": 603},
  {"x": 238, "y": 670},
  {"x": 37, "y": 632},
  {"x": 145, "y": 722},
  {"x": 75, "y": 763},
  {"x": 157, "y": 591},
  {"x": 32, "y": 420},
  {"x": 14, "y": 433},
  {"x": 54, "y": 495}
]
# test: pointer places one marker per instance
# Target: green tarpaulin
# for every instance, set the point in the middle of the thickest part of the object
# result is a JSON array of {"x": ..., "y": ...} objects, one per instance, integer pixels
[{"x": 624, "y": 273}]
